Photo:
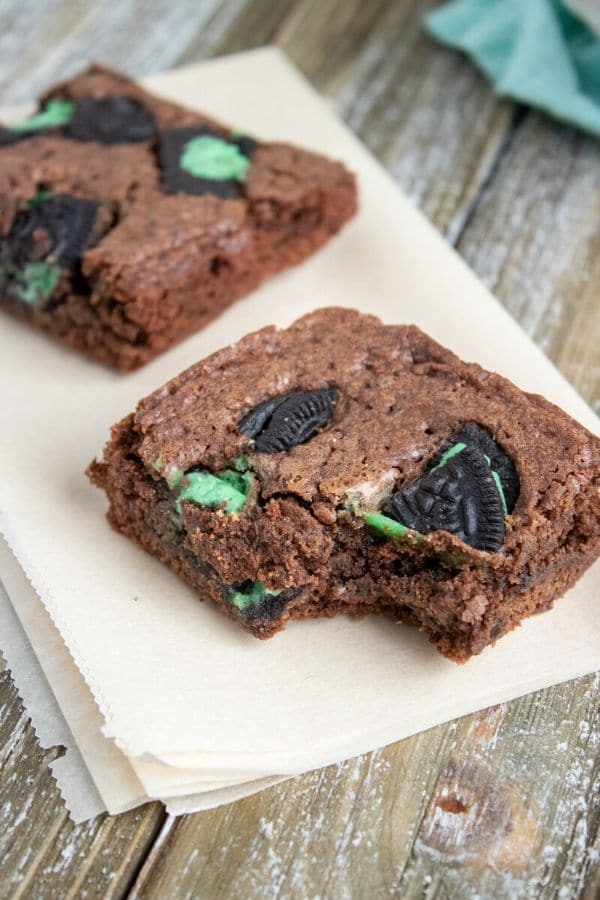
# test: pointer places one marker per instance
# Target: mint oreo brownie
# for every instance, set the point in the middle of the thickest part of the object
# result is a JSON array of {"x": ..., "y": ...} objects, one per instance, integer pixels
[
  {"x": 343, "y": 465},
  {"x": 128, "y": 222}
]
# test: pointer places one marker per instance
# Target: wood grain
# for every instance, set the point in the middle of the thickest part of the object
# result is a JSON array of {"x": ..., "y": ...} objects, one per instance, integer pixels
[
  {"x": 534, "y": 240},
  {"x": 494, "y": 805},
  {"x": 42, "y": 854},
  {"x": 502, "y": 804},
  {"x": 42, "y": 41},
  {"x": 427, "y": 114}
]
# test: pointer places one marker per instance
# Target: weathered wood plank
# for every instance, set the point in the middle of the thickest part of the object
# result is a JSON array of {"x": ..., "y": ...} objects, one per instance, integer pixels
[
  {"x": 516, "y": 812},
  {"x": 534, "y": 239},
  {"x": 495, "y": 805},
  {"x": 427, "y": 114},
  {"x": 42, "y": 853},
  {"x": 41, "y": 45},
  {"x": 323, "y": 38},
  {"x": 290, "y": 841},
  {"x": 251, "y": 24}
]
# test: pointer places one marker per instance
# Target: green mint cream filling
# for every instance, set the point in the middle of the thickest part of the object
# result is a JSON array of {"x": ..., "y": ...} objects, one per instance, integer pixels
[
  {"x": 252, "y": 597},
  {"x": 174, "y": 477},
  {"x": 391, "y": 528},
  {"x": 32, "y": 284},
  {"x": 453, "y": 451},
  {"x": 228, "y": 489},
  {"x": 241, "y": 464},
  {"x": 39, "y": 199},
  {"x": 499, "y": 488},
  {"x": 54, "y": 114},
  {"x": 458, "y": 448},
  {"x": 213, "y": 158}
]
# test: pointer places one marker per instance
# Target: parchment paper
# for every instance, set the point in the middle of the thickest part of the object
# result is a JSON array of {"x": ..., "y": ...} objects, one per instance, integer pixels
[
  {"x": 92, "y": 775},
  {"x": 69, "y": 770},
  {"x": 175, "y": 680}
]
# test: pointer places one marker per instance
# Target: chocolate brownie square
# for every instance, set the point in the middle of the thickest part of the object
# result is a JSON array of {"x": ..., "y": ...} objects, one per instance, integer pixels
[
  {"x": 343, "y": 465},
  {"x": 128, "y": 222}
]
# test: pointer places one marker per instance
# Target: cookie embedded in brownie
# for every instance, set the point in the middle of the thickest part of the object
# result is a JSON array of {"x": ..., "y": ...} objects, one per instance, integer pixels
[
  {"x": 204, "y": 160},
  {"x": 193, "y": 216},
  {"x": 40, "y": 254},
  {"x": 343, "y": 465}
]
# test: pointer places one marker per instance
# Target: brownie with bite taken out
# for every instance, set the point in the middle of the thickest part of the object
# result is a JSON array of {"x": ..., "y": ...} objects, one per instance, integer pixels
[{"x": 343, "y": 465}]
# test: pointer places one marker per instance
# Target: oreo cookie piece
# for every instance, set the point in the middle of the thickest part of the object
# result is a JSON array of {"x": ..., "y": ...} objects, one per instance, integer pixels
[
  {"x": 58, "y": 229},
  {"x": 8, "y": 137},
  {"x": 54, "y": 115},
  {"x": 111, "y": 120},
  {"x": 281, "y": 423},
  {"x": 200, "y": 160},
  {"x": 474, "y": 435},
  {"x": 246, "y": 144},
  {"x": 50, "y": 234},
  {"x": 459, "y": 496},
  {"x": 254, "y": 601}
]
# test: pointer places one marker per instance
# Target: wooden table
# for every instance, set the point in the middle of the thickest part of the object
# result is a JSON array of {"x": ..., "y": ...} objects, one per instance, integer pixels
[{"x": 501, "y": 804}]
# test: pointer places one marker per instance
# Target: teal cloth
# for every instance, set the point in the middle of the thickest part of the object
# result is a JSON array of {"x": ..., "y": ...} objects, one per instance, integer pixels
[{"x": 535, "y": 51}]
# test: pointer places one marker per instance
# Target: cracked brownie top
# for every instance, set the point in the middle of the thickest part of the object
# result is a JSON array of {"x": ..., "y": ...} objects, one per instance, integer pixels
[
  {"x": 344, "y": 465},
  {"x": 345, "y": 414}
]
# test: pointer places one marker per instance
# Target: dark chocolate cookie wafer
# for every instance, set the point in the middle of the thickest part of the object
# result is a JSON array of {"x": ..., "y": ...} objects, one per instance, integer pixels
[
  {"x": 459, "y": 496},
  {"x": 50, "y": 119},
  {"x": 8, "y": 137},
  {"x": 202, "y": 160},
  {"x": 474, "y": 435},
  {"x": 112, "y": 120},
  {"x": 49, "y": 235},
  {"x": 57, "y": 228},
  {"x": 281, "y": 423}
]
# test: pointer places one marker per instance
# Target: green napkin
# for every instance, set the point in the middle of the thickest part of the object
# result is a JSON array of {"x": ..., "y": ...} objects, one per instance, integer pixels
[{"x": 534, "y": 51}]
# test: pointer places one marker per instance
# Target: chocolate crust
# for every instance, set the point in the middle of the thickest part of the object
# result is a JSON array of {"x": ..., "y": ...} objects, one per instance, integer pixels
[
  {"x": 169, "y": 263},
  {"x": 302, "y": 533}
]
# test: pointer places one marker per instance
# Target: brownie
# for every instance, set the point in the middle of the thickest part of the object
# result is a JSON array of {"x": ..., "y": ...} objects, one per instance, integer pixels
[
  {"x": 128, "y": 222},
  {"x": 343, "y": 465}
]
